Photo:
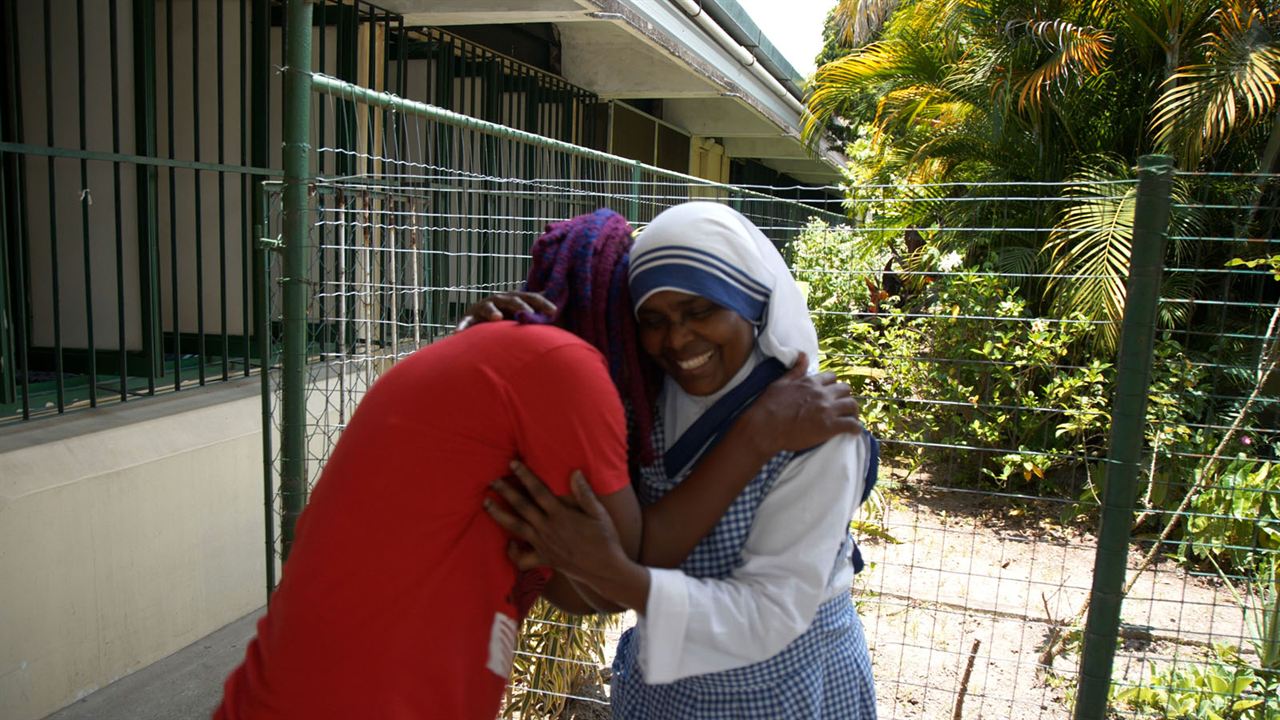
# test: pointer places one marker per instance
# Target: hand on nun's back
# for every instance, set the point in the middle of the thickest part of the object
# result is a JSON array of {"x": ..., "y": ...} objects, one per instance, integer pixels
[
  {"x": 506, "y": 306},
  {"x": 573, "y": 535},
  {"x": 804, "y": 411}
]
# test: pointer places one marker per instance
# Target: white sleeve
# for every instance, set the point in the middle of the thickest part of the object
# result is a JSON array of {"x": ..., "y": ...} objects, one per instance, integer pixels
[{"x": 695, "y": 626}]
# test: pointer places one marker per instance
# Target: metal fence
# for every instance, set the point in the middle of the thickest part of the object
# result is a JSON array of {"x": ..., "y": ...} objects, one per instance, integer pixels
[
  {"x": 1011, "y": 406},
  {"x": 133, "y": 137},
  {"x": 125, "y": 201},
  {"x": 1079, "y": 514}
]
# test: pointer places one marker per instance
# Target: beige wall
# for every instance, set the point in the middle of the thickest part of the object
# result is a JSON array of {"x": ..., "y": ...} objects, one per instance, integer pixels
[{"x": 125, "y": 534}]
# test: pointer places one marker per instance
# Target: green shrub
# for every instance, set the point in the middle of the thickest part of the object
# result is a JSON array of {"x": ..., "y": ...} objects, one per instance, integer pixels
[
  {"x": 1225, "y": 688},
  {"x": 1003, "y": 385},
  {"x": 1237, "y": 514}
]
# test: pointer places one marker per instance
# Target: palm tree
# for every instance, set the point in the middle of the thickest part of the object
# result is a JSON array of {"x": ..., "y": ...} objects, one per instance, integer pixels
[
  {"x": 969, "y": 89},
  {"x": 1227, "y": 88},
  {"x": 1018, "y": 90}
]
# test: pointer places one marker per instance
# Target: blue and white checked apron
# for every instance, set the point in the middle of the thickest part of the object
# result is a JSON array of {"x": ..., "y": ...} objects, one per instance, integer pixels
[{"x": 824, "y": 673}]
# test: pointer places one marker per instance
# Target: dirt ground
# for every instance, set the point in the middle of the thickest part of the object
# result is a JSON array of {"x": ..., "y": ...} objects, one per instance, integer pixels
[
  {"x": 988, "y": 577},
  {"x": 982, "y": 579}
]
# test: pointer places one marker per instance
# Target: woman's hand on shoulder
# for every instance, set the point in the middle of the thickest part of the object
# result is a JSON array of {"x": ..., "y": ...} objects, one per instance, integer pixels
[
  {"x": 505, "y": 306},
  {"x": 799, "y": 411}
]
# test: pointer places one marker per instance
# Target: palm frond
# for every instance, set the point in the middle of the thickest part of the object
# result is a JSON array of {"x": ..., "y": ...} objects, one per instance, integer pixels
[
  {"x": 1017, "y": 260},
  {"x": 1090, "y": 248},
  {"x": 894, "y": 62},
  {"x": 1075, "y": 51},
  {"x": 860, "y": 21},
  {"x": 1204, "y": 104},
  {"x": 1175, "y": 292}
]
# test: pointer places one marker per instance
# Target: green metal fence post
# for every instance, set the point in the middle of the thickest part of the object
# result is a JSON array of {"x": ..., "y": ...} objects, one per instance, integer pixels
[
  {"x": 633, "y": 213},
  {"x": 144, "y": 80},
  {"x": 295, "y": 231},
  {"x": 262, "y": 336},
  {"x": 1128, "y": 421},
  {"x": 8, "y": 375}
]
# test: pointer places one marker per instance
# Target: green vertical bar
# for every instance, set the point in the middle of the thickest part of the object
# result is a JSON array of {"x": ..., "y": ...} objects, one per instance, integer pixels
[
  {"x": 634, "y": 205},
  {"x": 322, "y": 24},
  {"x": 122, "y": 353},
  {"x": 11, "y": 313},
  {"x": 248, "y": 238},
  {"x": 7, "y": 375},
  {"x": 174, "y": 306},
  {"x": 371, "y": 76},
  {"x": 297, "y": 252},
  {"x": 222, "y": 197},
  {"x": 402, "y": 60},
  {"x": 14, "y": 216},
  {"x": 322, "y": 55},
  {"x": 195, "y": 182},
  {"x": 345, "y": 113},
  {"x": 259, "y": 153},
  {"x": 84, "y": 213},
  {"x": 59, "y": 380},
  {"x": 262, "y": 336},
  {"x": 1133, "y": 380}
]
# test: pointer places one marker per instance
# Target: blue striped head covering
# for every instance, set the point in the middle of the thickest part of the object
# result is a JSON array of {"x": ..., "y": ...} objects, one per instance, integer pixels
[{"x": 712, "y": 250}]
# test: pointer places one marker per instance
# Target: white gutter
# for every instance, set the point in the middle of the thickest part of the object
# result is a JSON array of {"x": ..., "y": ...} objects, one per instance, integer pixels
[{"x": 744, "y": 56}]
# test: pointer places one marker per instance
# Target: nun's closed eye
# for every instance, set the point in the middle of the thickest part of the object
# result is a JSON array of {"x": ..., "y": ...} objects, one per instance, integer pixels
[{"x": 696, "y": 309}]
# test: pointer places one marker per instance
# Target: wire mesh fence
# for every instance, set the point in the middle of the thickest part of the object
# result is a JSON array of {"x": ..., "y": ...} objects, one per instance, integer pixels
[
  {"x": 990, "y": 370},
  {"x": 980, "y": 326}
]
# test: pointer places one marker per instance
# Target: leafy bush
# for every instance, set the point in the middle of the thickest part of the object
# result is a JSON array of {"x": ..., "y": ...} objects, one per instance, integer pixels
[
  {"x": 958, "y": 370},
  {"x": 1237, "y": 514},
  {"x": 1225, "y": 688},
  {"x": 1002, "y": 385},
  {"x": 1230, "y": 686}
]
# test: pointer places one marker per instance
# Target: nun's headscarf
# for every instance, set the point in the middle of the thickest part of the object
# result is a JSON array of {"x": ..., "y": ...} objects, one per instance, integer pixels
[{"x": 711, "y": 250}]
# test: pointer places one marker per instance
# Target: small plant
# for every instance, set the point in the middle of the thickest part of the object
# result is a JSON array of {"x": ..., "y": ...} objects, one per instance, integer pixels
[
  {"x": 1230, "y": 686},
  {"x": 1223, "y": 688},
  {"x": 1237, "y": 515},
  {"x": 1260, "y": 602}
]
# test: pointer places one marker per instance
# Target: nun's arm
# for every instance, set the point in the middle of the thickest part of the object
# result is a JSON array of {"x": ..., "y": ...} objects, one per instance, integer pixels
[
  {"x": 796, "y": 412},
  {"x": 694, "y": 626}
]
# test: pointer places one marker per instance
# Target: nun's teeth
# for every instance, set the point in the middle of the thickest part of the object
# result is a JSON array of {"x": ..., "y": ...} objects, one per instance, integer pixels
[{"x": 694, "y": 363}]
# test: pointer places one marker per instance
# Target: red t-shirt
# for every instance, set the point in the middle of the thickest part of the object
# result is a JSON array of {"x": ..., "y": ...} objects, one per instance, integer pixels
[{"x": 397, "y": 599}]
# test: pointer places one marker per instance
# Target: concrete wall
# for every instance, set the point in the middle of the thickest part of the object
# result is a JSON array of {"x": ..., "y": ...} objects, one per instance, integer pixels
[{"x": 126, "y": 533}]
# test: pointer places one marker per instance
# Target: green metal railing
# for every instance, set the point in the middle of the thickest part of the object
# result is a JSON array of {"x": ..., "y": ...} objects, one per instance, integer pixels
[
  {"x": 127, "y": 230},
  {"x": 128, "y": 258}
]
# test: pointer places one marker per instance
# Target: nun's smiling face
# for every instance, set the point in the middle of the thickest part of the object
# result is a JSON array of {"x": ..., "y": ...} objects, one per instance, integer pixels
[{"x": 700, "y": 344}]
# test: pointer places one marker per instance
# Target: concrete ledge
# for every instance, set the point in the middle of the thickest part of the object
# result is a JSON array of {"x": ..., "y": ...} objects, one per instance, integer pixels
[{"x": 126, "y": 533}]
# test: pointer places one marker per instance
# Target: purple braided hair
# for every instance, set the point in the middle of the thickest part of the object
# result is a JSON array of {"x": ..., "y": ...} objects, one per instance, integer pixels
[{"x": 580, "y": 264}]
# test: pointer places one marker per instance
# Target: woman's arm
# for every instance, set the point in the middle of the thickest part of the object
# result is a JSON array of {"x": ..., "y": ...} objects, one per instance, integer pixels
[
  {"x": 796, "y": 412},
  {"x": 571, "y": 534},
  {"x": 623, "y": 512},
  {"x": 695, "y": 626}
]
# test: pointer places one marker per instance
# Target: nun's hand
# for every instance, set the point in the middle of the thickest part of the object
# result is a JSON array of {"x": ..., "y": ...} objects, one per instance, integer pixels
[
  {"x": 505, "y": 306},
  {"x": 801, "y": 411},
  {"x": 573, "y": 535}
]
